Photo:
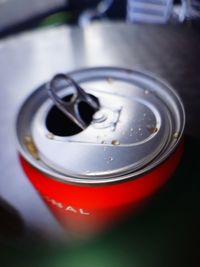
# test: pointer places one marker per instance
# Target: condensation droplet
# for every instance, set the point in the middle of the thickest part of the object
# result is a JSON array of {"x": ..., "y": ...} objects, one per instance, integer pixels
[
  {"x": 50, "y": 136},
  {"x": 144, "y": 114},
  {"x": 109, "y": 80},
  {"x": 146, "y": 92},
  {"x": 32, "y": 149},
  {"x": 175, "y": 135},
  {"x": 140, "y": 129},
  {"x": 27, "y": 138},
  {"x": 115, "y": 142},
  {"x": 132, "y": 129},
  {"x": 152, "y": 130}
]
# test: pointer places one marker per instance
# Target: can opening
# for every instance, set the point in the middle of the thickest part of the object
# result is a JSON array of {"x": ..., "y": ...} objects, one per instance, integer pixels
[{"x": 61, "y": 125}]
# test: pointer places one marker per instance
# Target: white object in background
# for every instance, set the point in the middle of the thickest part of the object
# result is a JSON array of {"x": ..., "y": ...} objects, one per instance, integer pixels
[
  {"x": 149, "y": 11},
  {"x": 190, "y": 10},
  {"x": 88, "y": 15}
]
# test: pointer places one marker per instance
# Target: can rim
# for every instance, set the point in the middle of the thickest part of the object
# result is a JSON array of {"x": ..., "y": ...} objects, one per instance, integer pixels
[{"x": 102, "y": 180}]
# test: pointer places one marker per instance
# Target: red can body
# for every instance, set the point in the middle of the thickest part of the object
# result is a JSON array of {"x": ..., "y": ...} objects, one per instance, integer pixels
[{"x": 89, "y": 208}]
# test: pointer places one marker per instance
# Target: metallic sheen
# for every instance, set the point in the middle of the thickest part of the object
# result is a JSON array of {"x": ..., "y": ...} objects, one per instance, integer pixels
[{"x": 132, "y": 132}]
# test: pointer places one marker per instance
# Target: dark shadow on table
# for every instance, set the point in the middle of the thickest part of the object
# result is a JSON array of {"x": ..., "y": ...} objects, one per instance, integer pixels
[{"x": 11, "y": 223}]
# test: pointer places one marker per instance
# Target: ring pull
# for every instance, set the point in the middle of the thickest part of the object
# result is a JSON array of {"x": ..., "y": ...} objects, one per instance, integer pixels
[{"x": 70, "y": 108}]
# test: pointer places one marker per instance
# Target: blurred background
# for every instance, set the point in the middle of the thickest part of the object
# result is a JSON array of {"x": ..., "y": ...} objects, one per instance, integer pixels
[{"x": 20, "y": 15}]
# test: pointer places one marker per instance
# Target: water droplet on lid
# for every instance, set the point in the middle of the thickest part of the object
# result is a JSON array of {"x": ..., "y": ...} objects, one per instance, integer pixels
[
  {"x": 50, "y": 135},
  {"x": 115, "y": 142},
  {"x": 152, "y": 129},
  {"x": 28, "y": 138},
  {"x": 146, "y": 92},
  {"x": 132, "y": 129},
  {"x": 109, "y": 80},
  {"x": 110, "y": 158},
  {"x": 32, "y": 149},
  {"x": 140, "y": 129},
  {"x": 175, "y": 135}
]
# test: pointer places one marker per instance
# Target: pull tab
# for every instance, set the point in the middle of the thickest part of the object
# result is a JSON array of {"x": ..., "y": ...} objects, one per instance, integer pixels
[{"x": 70, "y": 108}]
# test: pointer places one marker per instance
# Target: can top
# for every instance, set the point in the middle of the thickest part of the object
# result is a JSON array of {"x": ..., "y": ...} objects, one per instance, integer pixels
[{"x": 139, "y": 122}]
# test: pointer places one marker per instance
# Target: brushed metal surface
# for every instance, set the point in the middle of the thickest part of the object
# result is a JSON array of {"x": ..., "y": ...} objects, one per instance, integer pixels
[
  {"x": 132, "y": 103},
  {"x": 30, "y": 59}
]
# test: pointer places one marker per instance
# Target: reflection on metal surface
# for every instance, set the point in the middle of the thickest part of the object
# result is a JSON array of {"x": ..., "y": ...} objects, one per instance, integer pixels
[{"x": 141, "y": 124}]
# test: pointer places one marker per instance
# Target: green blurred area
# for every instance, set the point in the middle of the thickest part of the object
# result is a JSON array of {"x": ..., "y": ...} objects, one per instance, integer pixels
[{"x": 56, "y": 19}]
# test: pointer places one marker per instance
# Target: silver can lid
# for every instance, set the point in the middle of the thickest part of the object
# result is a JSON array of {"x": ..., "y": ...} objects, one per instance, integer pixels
[{"x": 140, "y": 120}]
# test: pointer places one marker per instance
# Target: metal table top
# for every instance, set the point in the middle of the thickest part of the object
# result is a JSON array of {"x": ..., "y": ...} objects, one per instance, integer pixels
[{"x": 29, "y": 59}]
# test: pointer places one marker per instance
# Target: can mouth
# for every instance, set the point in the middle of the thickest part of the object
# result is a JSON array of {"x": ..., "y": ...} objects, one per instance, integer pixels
[
  {"x": 56, "y": 129},
  {"x": 78, "y": 106},
  {"x": 59, "y": 124}
]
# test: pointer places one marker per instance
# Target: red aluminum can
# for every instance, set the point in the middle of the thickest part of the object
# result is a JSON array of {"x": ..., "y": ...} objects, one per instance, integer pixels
[{"x": 130, "y": 146}]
